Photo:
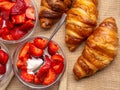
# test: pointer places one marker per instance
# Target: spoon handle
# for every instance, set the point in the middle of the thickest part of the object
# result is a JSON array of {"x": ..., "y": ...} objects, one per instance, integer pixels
[{"x": 60, "y": 23}]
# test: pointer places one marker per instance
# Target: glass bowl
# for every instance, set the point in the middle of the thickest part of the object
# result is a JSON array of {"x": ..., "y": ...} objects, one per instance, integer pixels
[
  {"x": 17, "y": 72},
  {"x": 5, "y": 77},
  {"x": 29, "y": 33}
]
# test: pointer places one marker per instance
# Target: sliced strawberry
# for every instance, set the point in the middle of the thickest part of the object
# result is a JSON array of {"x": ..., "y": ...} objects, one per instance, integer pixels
[
  {"x": 6, "y": 5},
  {"x": 9, "y": 24},
  {"x": 21, "y": 65},
  {"x": 18, "y": 19},
  {"x": 50, "y": 78},
  {"x": 27, "y": 77},
  {"x": 4, "y": 31},
  {"x": 7, "y": 37},
  {"x": 35, "y": 52},
  {"x": 41, "y": 74},
  {"x": 27, "y": 2},
  {"x": 1, "y": 22},
  {"x": 19, "y": 7},
  {"x": 3, "y": 57},
  {"x": 57, "y": 57},
  {"x": 58, "y": 68},
  {"x": 52, "y": 48},
  {"x": 2, "y": 69},
  {"x": 37, "y": 80},
  {"x": 30, "y": 13},
  {"x": 17, "y": 33},
  {"x": 28, "y": 25},
  {"x": 5, "y": 14},
  {"x": 40, "y": 43},
  {"x": 24, "y": 53}
]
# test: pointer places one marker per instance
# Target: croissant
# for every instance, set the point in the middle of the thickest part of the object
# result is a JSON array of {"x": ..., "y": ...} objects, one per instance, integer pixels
[
  {"x": 100, "y": 49},
  {"x": 80, "y": 23},
  {"x": 51, "y": 11}
]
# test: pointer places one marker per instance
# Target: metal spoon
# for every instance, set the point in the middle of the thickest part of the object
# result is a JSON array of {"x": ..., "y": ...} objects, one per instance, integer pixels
[{"x": 60, "y": 23}]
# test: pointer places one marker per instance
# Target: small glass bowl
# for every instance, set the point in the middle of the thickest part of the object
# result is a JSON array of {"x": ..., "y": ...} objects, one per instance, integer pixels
[
  {"x": 29, "y": 33},
  {"x": 5, "y": 77},
  {"x": 30, "y": 85}
]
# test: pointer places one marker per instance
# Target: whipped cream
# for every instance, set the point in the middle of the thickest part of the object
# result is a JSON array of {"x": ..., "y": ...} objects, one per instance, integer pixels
[{"x": 33, "y": 64}]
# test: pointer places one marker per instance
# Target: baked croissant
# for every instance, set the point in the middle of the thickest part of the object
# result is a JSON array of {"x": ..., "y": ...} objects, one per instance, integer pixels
[
  {"x": 51, "y": 11},
  {"x": 99, "y": 51},
  {"x": 80, "y": 23}
]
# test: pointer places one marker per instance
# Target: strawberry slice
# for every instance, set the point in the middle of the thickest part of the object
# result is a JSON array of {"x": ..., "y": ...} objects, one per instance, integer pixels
[
  {"x": 2, "y": 69},
  {"x": 9, "y": 24},
  {"x": 27, "y": 2},
  {"x": 35, "y": 52},
  {"x": 41, "y": 74},
  {"x": 18, "y": 19},
  {"x": 27, "y": 77},
  {"x": 4, "y": 31},
  {"x": 1, "y": 22},
  {"x": 52, "y": 48},
  {"x": 5, "y": 14},
  {"x": 21, "y": 65},
  {"x": 3, "y": 57},
  {"x": 57, "y": 57},
  {"x": 40, "y": 43},
  {"x": 24, "y": 53},
  {"x": 58, "y": 68},
  {"x": 7, "y": 37},
  {"x": 51, "y": 76},
  {"x": 37, "y": 80},
  {"x": 19, "y": 7},
  {"x": 17, "y": 33},
  {"x": 6, "y": 5},
  {"x": 30, "y": 13},
  {"x": 28, "y": 25}
]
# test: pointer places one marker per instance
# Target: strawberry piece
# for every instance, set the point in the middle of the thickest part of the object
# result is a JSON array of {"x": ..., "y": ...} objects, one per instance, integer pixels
[
  {"x": 4, "y": 31},
  {"x": 7, "y": 37},
  {"x": 51, "y": 76},
  {"x": 18, "y": 19},
  {"x": 30, "y": 13},
  {"x": 28, "y": 25},
  {"x": 9, "y": 24},
  {"x": 57, "y": 57},
  {"x": 5, "y": 14},
  {"x": 27, "y": 2},
  {"x": 27, "y": 77},
  {"x": 41, "y": 74},
  {"x": 24, "y": 53},
  {"x": 52, "y": 48},
  {"x": 40, "y": 43},
  {"x": 21, "y": 65},
  {"x": 3, "y": 57},
  {"x": 17, "y": 33},
  {"x": 2, "y": 69},
  {"x": 35, "y": 52},
  {"x": 19, "y": 7},
  {"x": 37, "y": 80},
  {"x": 1, "y": 22},
  {"x": 6, "y": 5},
  {"x": 58, "y": 68}
]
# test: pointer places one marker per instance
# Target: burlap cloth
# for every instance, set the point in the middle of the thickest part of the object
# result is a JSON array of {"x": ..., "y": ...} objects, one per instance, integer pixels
[{"x": 107, "y": 79}]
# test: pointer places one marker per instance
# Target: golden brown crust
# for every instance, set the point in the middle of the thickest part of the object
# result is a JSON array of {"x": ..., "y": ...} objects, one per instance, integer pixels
[
  {"x": 81, "y": 21},
  {"x": 100, "y": 49},
  {"x": 51, "y": 11}
]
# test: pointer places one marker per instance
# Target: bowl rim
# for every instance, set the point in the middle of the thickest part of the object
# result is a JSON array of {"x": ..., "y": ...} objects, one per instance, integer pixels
[
  {"x": 29, "y": 33},
  {"x": 33, "y": 86},
  {"x": 8, "y": 65}
]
